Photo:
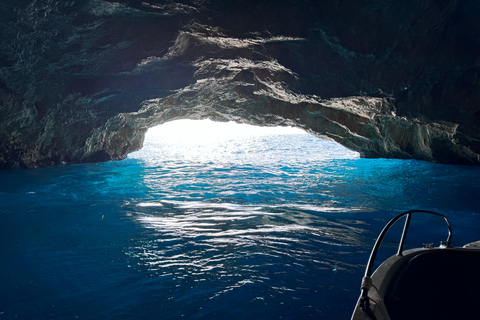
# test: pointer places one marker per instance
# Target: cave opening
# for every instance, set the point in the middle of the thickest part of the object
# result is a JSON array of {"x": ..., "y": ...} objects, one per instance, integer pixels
[{"x": 209, "y": 141}]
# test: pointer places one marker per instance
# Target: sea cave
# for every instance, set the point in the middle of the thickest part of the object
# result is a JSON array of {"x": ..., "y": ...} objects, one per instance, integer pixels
[{"x": 98, "y": 220}]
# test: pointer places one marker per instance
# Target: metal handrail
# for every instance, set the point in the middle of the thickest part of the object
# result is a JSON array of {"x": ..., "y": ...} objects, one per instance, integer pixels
[
  {"x": 366, "y": 281},
  {"x": 376, "y": 247}
]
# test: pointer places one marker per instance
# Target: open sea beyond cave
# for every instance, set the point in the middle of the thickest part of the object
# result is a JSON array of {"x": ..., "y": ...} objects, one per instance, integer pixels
[{"x": 243, "y": 227}]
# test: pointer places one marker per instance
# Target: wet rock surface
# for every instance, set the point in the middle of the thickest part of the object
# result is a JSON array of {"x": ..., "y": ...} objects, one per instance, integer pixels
[{"x": 82, "y": 81}]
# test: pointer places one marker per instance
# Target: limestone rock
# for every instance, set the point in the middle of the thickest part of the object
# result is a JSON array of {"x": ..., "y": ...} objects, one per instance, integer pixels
[{"x": 83, "y": 80}]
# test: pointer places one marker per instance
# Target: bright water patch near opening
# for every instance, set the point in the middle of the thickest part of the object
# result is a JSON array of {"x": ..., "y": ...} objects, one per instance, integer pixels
[
  {"x": 266, "y": 226},
  {"x": 207, "y": 142}
]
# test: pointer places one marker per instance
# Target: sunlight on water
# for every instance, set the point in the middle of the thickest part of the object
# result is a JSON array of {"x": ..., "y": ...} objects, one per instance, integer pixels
[
  {"x": 211, "y": 221},
  {"x": 208, "y": 131},
  {"x": 224, "y": 197},
  {"x": 203, "y": 141}
]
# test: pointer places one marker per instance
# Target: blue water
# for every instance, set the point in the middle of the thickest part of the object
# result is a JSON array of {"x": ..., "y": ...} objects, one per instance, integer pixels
[{"x": 267, "y": 227}]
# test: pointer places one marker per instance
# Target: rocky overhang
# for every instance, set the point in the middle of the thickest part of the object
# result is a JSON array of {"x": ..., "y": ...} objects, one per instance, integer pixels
[{"x": 82, "y": 81}]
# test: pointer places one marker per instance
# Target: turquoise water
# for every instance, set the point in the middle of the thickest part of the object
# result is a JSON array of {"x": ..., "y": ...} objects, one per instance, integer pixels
[{"x": 265, "y": 227}]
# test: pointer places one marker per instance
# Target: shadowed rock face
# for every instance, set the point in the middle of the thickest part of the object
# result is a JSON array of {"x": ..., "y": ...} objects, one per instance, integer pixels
[{"x": 83, "y": 80}]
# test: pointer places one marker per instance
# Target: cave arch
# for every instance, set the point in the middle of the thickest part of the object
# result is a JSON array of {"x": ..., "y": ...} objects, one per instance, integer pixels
[
  {"x": 225, "y": 144},
  {"x": 83, "y": 82}
]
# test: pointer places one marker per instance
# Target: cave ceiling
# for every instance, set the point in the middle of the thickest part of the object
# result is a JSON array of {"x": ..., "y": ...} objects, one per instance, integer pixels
[{"x": 82, "y": 81}]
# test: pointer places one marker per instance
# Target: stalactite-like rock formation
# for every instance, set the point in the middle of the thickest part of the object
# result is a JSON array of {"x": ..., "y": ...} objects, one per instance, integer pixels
[{"x": 83, "y": 80}]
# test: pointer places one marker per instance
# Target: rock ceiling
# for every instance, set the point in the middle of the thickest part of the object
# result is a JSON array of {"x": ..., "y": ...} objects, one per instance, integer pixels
[{"x": 83, "y": 80}]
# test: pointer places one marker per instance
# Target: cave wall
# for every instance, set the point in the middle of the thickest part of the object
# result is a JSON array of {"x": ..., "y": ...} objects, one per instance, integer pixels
[{"x": 82, "y": 81}]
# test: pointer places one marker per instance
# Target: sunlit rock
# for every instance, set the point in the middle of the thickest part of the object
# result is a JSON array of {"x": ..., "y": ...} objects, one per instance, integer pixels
[{"x": 83, "y": 80}]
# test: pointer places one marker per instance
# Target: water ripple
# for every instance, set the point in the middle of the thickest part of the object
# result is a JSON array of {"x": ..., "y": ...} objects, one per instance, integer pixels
[
  {"x": 202, "y": 240},
  {"x": 274, "y": 228}
]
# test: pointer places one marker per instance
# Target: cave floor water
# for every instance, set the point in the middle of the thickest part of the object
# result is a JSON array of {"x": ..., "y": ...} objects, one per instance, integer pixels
[{"x": 272, "y": 227}]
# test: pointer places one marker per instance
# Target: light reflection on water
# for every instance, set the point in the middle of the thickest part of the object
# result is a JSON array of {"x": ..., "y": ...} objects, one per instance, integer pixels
[
  {"x": 239, "y": 225},
  {"x": 259, "y": 254},
  {"x": 239, "y": 216},
  {"x": 197, "y": 143},
  {"x": 270, "y": 219},
  {"x": 277, "y": 228}
]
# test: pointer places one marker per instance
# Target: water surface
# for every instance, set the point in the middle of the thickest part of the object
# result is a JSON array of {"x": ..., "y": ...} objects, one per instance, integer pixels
[{"x": 267, "y": 227}]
